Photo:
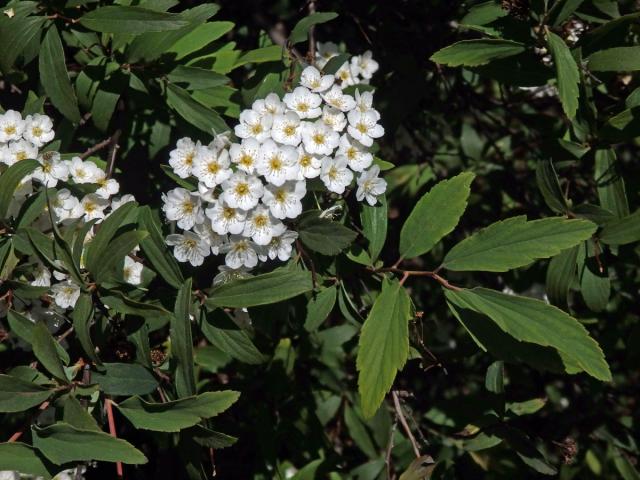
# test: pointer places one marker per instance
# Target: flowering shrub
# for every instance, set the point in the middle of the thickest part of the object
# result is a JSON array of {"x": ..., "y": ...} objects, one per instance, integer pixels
[{"x": 418, "y": 265}]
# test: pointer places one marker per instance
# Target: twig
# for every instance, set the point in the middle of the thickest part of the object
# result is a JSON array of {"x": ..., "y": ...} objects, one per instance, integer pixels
[
  {"x": 405, "y": 425},
  {"x": 65, "y": 334},
  {"x": 112, "y": 431},
  {"x": 113, "y": 150},
  {"x": 19, "y": 433},
  {"x": 95, "y": 148},
  {"x": 311, "y": 55},
  {"x": 387, "y": 457},
  {"x": 417, "y": 273}
]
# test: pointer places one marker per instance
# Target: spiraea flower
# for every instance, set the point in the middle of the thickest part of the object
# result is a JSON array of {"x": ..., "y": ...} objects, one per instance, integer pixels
[
  {"x": 370, "y": 186},
  {"x": 277, "y": 164},
  {"x": 65, "y": 294},
  {"x": 11, "y": 126},
  {"x": 211, "y": 167},
  {"x": 132, "y": 271},
  {"x": 315, "y": 81},
  {"x": 364, "y": 65},
  {"x": 189, "y": 247},
  {"x": 226, "y": 219},
  {"x": 82, "y": 171},
  {"x": 242, "y": 191},
  {"x": 337, "y": 99},
  {"x": 285, "y": 201},
  {"x": 305, "y": 103},
  {"x": 17, "y": 151},
  {"x": 182, "y": 157},
  {"x": 240, "y": 252},
  {"x": 287, "y": 129},
  {"x": 38, "y": 129},
  {"x": 364, "y": 127},
  {"x": 261, "y": 226},
  {"x": 254, "y": 125},
  {"x": 270, "y": 105},
  {"x": 309, "y": 165},
  {"x": 319, "y": 139},
  {"x": 280, "y": 247},
  {"x": 51, "y": 170},
  {"x": 356, "y": 154},
  {"x": 92, "y": 206},
  {"x": 245, "y": 155},
  {"x": 184, "y": 207},
  {"x": 335, "y": 174}
]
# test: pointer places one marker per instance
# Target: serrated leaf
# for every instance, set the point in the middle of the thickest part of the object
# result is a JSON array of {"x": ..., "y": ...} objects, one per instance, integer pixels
[
  {"x": 19, "y": 457},
  {"x": 323, "y": 235},
  {"x": 549, "y": 186},
  {"x": 300, "y": 31},
  {"x": 130, "y": 20},
  {"x": 560, "y": 275},
  {"x": 262, "y": 289},
  {"x": 595, "y": 285},
  {"x": 44, "y": 348},
  {"x": 516, "y": 242},
  {"x": 62, "y": 443},
  {"x": 125, "y": 379},
  {"x": 619, "y": 59},
  {"x": 383, "y": 347},
  {"x": 54, "y": 76},
  {"x": 622, "y": 231},
  {"x": 178, "y": 414},
  {"x": 319, "y": 307},
  {"x": 182, "y": 342},
  {"x": 10, "y": 180},
  {"x": 534, "y": 321},
  {"x": 566, "y": 72},
  {"x": 435, "y": 215},
  {"x": 17, "y": 395},
  {"x": 472, "y": 53}
]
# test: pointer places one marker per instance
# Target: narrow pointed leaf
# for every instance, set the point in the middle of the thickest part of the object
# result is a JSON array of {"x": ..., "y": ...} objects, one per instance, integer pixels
[
  {"x": 182, "y": 342},
  {"x": 472, "y": 53},
  {"x": 566, "y": 72}
]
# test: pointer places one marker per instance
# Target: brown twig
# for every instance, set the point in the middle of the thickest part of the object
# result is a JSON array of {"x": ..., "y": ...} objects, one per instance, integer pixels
[
  {"x": 311, "y": 55},
  {"x": 417, "y": 273},
  {"x": 387, "y": 457},
  {"x": 112, "y": 431},
  {"x": 95, "y": 148},
  {"x": 19, "y": 433},
  {"x": 405, "y": 425},
  {"x": 113, "y": 150}
]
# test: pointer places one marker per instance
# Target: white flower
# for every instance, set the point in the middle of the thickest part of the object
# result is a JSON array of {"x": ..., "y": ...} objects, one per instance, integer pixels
[
  {"x": 285, "y": 201},
  {"x": 41, "y": 276},
  {"x": 364, "y": 127},
  {"x": 18, "y": 151},
  {"x": 319, "y": 139},
  {"x": 346, "y": 75},
  {"x": 220, "y": 141},
  {"x": 38, "y": 129},
  {"x": 245, "y": 154},
  {"x": 242, "y": 191},
  {"x": 240, "y": 252},
  {"x": 277, "y": 164},
  {"x": 210, "y": 167},
  {"x": 364, "y": 101},
  {"x": 215, "y": 241},
  {"x": 132, "y": 271},
  {"x": 184, "y": 207},
  {"x": 337, "y": 99},
  {"x": 84, "y": 172},
  {"x": 286, "y": 129},
  {"x": 271, "y": 104},
  {"x": 303, "y": 102},
  {"x": 254, "y": 125},
  {"x": 333, "y": 118},
  {"x": 11, "y": 126},
  {"x": 225, "y": 219},
  {"x": 91, "y": 206},
  {"x": 261, "y": 227},
  {"x": 364, "y": 65},
  {"x": 65, "y": 205},
  {"x": 117, "y": 202},
  {"x": 357, "y": 157},
  {"x": 181, "y": 158},
  {"x": 107, "y": 186},
  {"x": 9, "y": 474},
  {"x": 280, "y": 247},
  {"x": 370, "y": 185},
  {"x": 308, "y": 165},
  {"x": 314, "y": 80},
  {"x": 335, "y": 174},
  {"x": 189, "y": 247},
  {"x": 51, "y": 169},
  {"x": 325, "y": 52},
  {"x": 65, "y": 294},
  {"x": 207, "y": 194}
]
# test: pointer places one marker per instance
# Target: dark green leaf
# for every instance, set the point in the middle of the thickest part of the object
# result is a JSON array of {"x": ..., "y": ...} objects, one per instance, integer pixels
[
  {"x": 19, "y": 457},
  {"x": 566, "y": 72},
  {"x": 182, "y": 342},
  {"x": 549, "y": 186},
  {"x": 611, "y": 189},
  {"x": 10, "y": 180},
  {"x": 471, "y": 53},
  {"x": 494, "y": 380},
  {"x": 560, "y": 275},
  {"x": 125, "y": 379},
  {"x": 319, "y": 308},
  {"x": 300, "y": 31},
  {"x": 622, "y": 231},
  {"x": 620, "y": 59},
  {"x": 374, "y": 227},
  {"x": 132, "y": 20},
  {"x": 44, "y": 348},
  {"x": 82, "y": 316},
  {"x": 223, "y": 333},
  {"x": 17, "y": 395},
  {"x": 194, "y": 112},
  {"x": 323, "y": 235}
]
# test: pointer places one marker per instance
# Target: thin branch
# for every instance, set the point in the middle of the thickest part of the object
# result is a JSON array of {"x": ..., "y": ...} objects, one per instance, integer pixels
[
  {"x": 95, "y": 148},
  {"x": 417, "y": 273},
  {"x": 405, "y": 425},
  {"x": 387, "y": 457},
  {"x": 311, "y": 55},
  {"x": 112, "y": 431},
  {"x": 113, "y": 150}
]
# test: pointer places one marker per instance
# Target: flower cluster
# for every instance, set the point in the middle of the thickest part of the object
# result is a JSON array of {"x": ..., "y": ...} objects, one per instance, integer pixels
[
  {"x": 80, "y": 191},
  {"x": 248, "y": 190}
]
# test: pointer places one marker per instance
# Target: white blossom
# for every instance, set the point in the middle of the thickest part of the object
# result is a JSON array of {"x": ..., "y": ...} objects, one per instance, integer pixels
[
  {"x": 211, "y": 167},
  {"x": 334, "y": 118},
  {"x": 277, "y": 164},
  {"x": 181, "y": 158},
  {"x": 18, "y": 151},
  {"x": 305, "y": 103},
  {"x": 357, "y": 156},
  {"x": 51, "y": 169},
  {"x": 286, "y": 129},
  {"x": 65, "y": 294},
  {"x": 271, "y": 104},
  {"x": 326, "y": 51},
  {"x": 117, "y": 202},
  {"x": 254, "y": 125},
  {"x": 189, "y": 247},
  {"x": 242, "y": 191},
  {"x": 285, "y": 201},
  {"x": 240, "y": 252},
  {"x": 314, "y": 80},
  {"x": 41, "y": 276},
  {"x": 308, "y": 165},
  {"x": 337, "y": 99},
  {"x": 346, "y": 75},
  {"x": 280, "y": 247},
  {"x": 91, "y": 207},
  {"x": 364, "y": 101},
  {"x": 107, "y": 187},
  {"x": 335, "y": 174},
  {"x": 319, "y": 139},
  {"x": 184, "y": 207},
  {"x": 370, "y": 186},
  {"x": 82, "y": 171},
  {"x": 364, "y": 127},
  {"x": 65, "y": 205},
  {"x": 364, "y": 65},
  {"x": 11, "y": 126},
  {"x": 132, "y": 271},
  {"x": 225, "y": 219},
  {"x": 213, "y": 239},
  {"x": 261, "y": 227},
  {"x": 245, "y": 154},
  {"x": 38, "y": 129}
]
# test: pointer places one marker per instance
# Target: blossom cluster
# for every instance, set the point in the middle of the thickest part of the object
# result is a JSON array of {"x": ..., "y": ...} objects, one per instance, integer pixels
[
  {"x": 81, "y": 191},
  {"x": 250, "y": 189}
]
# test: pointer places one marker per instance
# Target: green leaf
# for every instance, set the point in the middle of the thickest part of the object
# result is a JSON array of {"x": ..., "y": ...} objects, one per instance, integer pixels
[
  {"x": 534, "y": 321},
  {"x": 323, "y": 235},
  {"x": 611, "y": 188},
  {"x": 156, "y": 251},
  {"x": 595, "y": 284},
  {"x": 54, "y": 76},
  {"x": 561, "y": 273},
  {"x": 19, "y": 457},
  {"x": 224, "y": 334},
  {"x": 622, "y": 231},
  {"x": 566, "y": 72},
  {"x": 178, "y": 414},
  {"x": 300, "y": 31},
  {"x": 197, "y": 78},
  {"x": 264, "y": 289},
  {"x": 23, "y": 328},
  {"x": 15, "y": 34},
  {"x": 374, "y": 227},
  {"x": 494, "y": 380},
  {"x": 82, "y": 317},
  {"x": 62, "y": 443},
  {"x": 435, "y": 215},
  {"x": 619, "y": 59},
  {"x": 272, "y": 53},
  {"x": 210, "y": 438},
  {"x": 471, "y": 53},
  {"x": 204, "y": 118},
  {"x": 549, "y": 186},
  {"x": 319, "y": 308},
  {"x": 182, "y": 342},
  {"x": 358, "y": 432},
  {"x": 125, "y": 379},
  {"x": 17, "y": 395},
  {"x": 199, "y": 38},
  {"x": 44, "y": 348},
  {"x": 118, "y": 248},
  {"x": 516, "y": 242},
  {"x": 32, "y": 209},
  {"x": 10, "y": 180},
  {"x": 383, "y": 347},
  {"x": 131, "y": 20}
]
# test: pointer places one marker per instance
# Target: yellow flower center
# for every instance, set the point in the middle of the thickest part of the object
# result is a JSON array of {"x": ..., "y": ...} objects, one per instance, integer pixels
[
  {"x": 281, "y": 196},
  {"x": 289, "y": 130},
  {"x": 47, "y": 167},
  {"x": 188, "y": 160},
  {"x": 190, "y": 243},
  {"x": 10, "y": 129},
  {"x": 261, "y": 221},
  {"x": 362, "y": 128},
  {"x": 333, "y": 173},
  {"x": 21, "y": 155},
  {"x": 351, "y": 153},
  {"x": 303, "y": 107},
  {"x": 36, "y": 131},
  {"x": 187, "y": 207},
  {"x": 318, "y": 138},
  {"x": 275, "y": 163},
  {"x": 90, "y": 207},
  {"x": 246, "y": 160},
  {"x": 256, "y": 129},
  {"x": 305, "y": 161},
  {"x": 242, "y": 189},
  {"x": 228, "y": 213},
  {"x": 213, "y": 168}
]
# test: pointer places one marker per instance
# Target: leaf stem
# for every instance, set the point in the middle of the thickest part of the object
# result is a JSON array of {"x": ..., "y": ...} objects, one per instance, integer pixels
[
  {"x": 418, "y": 273},
  {"x": 403, "y": 422}
]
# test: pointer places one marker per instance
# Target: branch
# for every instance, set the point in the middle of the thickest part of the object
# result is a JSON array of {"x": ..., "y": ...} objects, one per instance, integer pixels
[
  {"x": 113, "y": 150},
  {"x": 311, "y": 55},
  {"x": 95, "y": 148},
  {"x": 417, "y": 273},
  {"x": 112, "y": 431},
  {"x": 405, "y": 425}
]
